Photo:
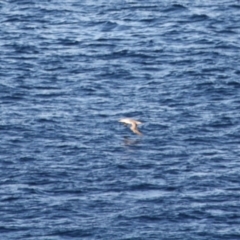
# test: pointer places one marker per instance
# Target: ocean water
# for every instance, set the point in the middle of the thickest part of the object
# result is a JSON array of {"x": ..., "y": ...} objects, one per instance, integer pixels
[{"x": 69, "y": 70}]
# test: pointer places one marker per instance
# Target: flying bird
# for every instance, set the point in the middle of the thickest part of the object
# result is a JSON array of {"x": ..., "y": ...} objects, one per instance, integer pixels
[{"x": 133, "y": 123}]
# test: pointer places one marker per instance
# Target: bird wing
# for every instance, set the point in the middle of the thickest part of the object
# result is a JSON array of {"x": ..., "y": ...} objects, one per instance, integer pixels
[{"x": 135, "y": 129}]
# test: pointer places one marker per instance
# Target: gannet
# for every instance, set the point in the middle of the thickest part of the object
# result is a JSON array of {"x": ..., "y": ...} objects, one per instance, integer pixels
[{"x": 133, "y": 123}]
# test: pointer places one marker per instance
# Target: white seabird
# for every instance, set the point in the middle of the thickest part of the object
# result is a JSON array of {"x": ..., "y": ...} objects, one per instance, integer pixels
[{"x": 133, "y": 123}]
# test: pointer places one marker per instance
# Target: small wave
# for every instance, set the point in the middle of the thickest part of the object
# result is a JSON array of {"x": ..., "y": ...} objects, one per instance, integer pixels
[{"x": 176, "y": 8}]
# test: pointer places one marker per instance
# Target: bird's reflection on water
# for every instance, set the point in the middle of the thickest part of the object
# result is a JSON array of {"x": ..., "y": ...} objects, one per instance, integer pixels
[{"x": 130, "y": 142}]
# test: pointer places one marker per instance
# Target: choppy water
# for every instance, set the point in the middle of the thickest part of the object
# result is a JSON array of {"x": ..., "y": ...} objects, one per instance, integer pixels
[{"x": 69, "y": 70}]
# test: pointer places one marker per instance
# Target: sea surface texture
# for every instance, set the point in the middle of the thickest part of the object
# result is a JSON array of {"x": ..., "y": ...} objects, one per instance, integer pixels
[{"x": 69, "y": 70}]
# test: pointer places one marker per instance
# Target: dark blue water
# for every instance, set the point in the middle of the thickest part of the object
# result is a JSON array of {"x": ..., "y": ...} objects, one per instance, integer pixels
[{"x": 69, "y": 70}]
